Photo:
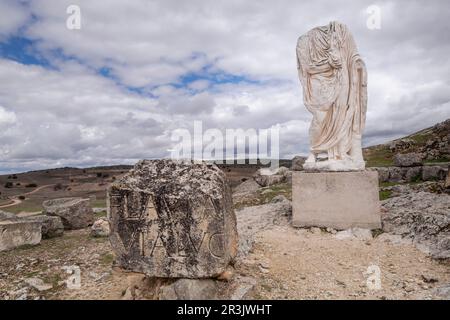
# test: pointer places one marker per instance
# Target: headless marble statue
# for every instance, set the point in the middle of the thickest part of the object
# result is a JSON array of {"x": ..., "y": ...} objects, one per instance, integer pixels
[{"x": 334, "y": 81}]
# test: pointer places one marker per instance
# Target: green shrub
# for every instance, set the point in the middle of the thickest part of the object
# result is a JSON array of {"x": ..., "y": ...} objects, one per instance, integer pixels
[{"x": 31, "y": 185}]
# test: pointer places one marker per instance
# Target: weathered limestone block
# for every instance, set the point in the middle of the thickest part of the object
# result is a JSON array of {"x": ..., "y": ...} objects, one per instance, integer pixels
[
  {"x": 265, "y": 177},
  {"x": 413, "y": 174},
  {"x": 190, "y": 289},
  {"x": 173, "y": 219},
  {"x": 52, "y": 226},
  {"x": 339, "y": 200},
  {"x": 297, "y": 163},
  {"x": 75, "y": 213},
  {"x": 408, "y": 159},
  {"x": 16, "y": 233},
  {"x": 433, "y": 173},
  {"x": 383, "y": 174},
  {"x": 100, "y": 228},
  {"x": 421, "y": 216},
  {"x": 397, "y": 174}
]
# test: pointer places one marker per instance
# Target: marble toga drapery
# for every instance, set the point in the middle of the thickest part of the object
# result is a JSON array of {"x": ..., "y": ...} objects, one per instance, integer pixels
[{"x": 334, "y": 81}]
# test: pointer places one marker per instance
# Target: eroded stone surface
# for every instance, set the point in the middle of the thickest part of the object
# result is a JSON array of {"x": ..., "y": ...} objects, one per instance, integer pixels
[
  {"x": 190, "y": 289},
  {"x": 408, "y": 159},
  {"x": 15, "y": 233},
  {"x": 173, "y": 219},
  {"x": 75, "y": 213},
  {"x": 100, "y": 228},
  {"x": 421, "y": 216},
  {"x": 52, "y": 226}
]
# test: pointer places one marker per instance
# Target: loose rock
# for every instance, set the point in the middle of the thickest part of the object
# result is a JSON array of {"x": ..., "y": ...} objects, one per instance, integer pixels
[
  {"x": 408, "y": 159},
  {"x": 190, "y": 289},
  {"x": 75, "y": 213},
  {"x": 16, "y": 233},
  {"x": 100, "y": 228},
  {"x": 52, "y": 226},
  {"x": 421, "y": 216}
]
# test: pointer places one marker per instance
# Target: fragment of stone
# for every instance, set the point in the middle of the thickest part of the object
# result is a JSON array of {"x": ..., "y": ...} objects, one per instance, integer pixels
[
  {"x": 17, "y": 233},
  {"x": 52, "y": 226},
  {"x": 75, "y": 213},
  {"x": 443, "y": 291},
  {"x": 433, "y": 173},
  {"x": 297, "y": 163},
  {"x": 266, "y": 177},
  {"x": 246, "y": 191},
  {"x": 421, "y": 216},
  {"x": 354, "y": 233},
  {"x": 243, "y": 288},
  {"x": 7, "y": 216},
  {"x": 38, "y": 284},
  {"x": 173, "y": 219},
  {"x": 279, "y": 198},
  {"x": 396, "y": 174},
  {"x": 393, "y": 238},
  {"x": 100, "y": 228},
  {"x": 383, "y": 173},
  {"x": 190, "y": 289},
  {"x": 413, "y": 174},
  {"x": 408, "y": 159}
]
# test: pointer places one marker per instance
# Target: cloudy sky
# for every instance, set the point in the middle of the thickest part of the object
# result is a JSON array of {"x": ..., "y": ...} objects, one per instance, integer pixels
[{"x": 114, "y": 91}]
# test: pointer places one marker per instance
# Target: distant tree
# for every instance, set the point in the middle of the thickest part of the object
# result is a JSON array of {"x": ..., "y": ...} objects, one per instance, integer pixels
[
  {"x": 9, "y": 184},
  {"x": 99, "y": 174},
  {"x": 22, "y": 197},
  {"x": 58, "y": 186},
  {"x": 31, "y": 185},
  {"x": 14, "y": 176}
]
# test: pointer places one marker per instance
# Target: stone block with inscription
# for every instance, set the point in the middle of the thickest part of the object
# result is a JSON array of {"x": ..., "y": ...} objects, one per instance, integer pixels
[{"x": 173, "y": 219}]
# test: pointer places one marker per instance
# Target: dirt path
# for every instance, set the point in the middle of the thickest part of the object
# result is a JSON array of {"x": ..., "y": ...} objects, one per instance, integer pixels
[
  {"x": 293, "y": 263},
  {"x": 15, "y": 200}
]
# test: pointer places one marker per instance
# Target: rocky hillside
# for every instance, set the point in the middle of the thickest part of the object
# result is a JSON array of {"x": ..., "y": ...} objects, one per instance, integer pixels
[{"x": 432, "y": 143}]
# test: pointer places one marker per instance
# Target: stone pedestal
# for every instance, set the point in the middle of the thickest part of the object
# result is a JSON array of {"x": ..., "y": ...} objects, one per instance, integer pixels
[{"x": 338, "y": 200}]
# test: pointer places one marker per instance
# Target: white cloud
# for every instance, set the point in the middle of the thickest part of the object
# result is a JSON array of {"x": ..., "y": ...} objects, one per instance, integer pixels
[
  {"x": 7, "y": 117},
  {"x": 14, "y": 15},
  {"x": 75, "y": 116}
]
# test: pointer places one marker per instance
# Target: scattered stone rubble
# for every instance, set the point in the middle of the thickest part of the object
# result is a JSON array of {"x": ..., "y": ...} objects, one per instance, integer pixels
[{"x": 423, "y": 217}]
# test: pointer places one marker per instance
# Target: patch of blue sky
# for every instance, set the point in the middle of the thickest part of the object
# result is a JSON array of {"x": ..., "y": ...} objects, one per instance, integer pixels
[
  {"x": 213, "y": 78},
  {"x": 22, "y": 50}
]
